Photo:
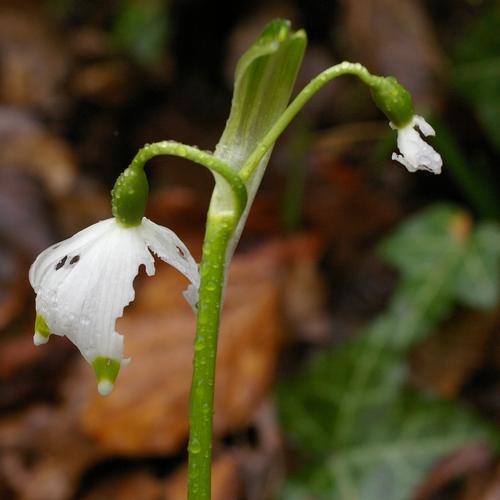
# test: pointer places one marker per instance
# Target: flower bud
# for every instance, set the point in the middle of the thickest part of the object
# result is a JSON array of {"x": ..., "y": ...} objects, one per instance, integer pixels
[
  {"x": 392, "y": 99},
  {"x": 130, "y": 197}
]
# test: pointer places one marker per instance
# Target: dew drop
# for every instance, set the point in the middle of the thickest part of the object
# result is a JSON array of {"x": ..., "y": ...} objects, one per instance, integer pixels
[{"x": 194, "y": 446}]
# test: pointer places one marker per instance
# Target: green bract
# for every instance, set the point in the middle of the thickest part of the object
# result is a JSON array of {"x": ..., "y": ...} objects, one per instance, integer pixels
[
  {"x": 264, "y": 80},
  {"x": 130, "y": 196},
  {"x": 392, "y": 99}
]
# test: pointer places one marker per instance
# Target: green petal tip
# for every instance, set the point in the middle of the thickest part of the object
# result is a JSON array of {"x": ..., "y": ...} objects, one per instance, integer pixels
[
  {"x": 42, "y": 332},
  {"x": 106, "y": 370}
]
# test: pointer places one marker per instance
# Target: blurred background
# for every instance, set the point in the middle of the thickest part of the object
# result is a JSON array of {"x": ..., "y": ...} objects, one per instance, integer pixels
[{"x": 359, "y": 349}]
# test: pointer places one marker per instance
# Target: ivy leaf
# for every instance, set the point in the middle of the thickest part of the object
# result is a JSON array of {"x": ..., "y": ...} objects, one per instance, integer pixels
[
  {"x": 363, "y": 436},
  {"x": 476, "y": 282},
  {"x": 425, "y": 243},
  {"x": 388, "y": 459},
  {"x": 322, "y": 402}
]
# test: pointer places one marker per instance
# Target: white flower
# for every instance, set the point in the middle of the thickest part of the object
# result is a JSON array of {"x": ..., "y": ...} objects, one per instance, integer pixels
[
  {"x": 416, "y": 154},
  {"x": 84, "y": 283}
]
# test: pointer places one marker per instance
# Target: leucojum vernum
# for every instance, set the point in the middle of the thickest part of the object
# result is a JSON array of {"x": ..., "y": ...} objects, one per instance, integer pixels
[{"x": 83, "y": 284}]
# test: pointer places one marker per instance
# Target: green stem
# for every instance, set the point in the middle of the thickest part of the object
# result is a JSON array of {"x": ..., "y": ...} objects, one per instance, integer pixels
[
  {"x": 214, "y": 164},
  {"x": 220, "y": 228},
  {"x": 345, "y": 68}
]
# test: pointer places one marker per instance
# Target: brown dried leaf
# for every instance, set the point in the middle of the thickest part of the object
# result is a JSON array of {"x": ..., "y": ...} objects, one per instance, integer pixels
[
  {"x": 484, "y": 485},
  {"x": 131, "y": 486},
  {"x": 27, "y": 147},
  {"x": 24, "y": 227},
  {"x": 87, "y": 203},
  {"x": 341, "y": 201},
  {"x": 33, "y": 61},
  {"x": 396, "y": 37},
  {"x": 28, "y": 373},
  {"x": 445, "y": 360},
  {"x": 108, "y": 82},
  {"x": 262, "y": 463},
  {"x": 42, "y": 454},
  {"x": 13, "y": 289},
  {"x": 304, "y": 297},
  {"x": 465, "y": 460}
]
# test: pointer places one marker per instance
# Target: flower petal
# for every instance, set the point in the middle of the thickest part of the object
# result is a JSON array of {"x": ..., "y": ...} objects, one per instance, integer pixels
[
  {"x": 70, "y": 246},
  {"x": 424, "y": 127},
  {"x": 83, "y": 293},
  {"x": 170, "y": 248},
  {"x": 416, "y": 154},
  {"x": 84, "y": 283}
]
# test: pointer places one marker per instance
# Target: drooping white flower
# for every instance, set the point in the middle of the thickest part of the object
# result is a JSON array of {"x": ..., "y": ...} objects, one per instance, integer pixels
[
  {"x": 416, "y": 154},
  {"x": 83, "y": 284}
]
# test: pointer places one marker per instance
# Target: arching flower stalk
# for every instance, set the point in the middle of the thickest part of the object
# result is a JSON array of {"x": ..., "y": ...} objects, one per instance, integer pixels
[{"x": 83, "y": 284}]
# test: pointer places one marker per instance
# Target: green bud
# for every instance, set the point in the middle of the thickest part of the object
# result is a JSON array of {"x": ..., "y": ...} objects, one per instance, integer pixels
[
  {"x": 130, "y": 196},
  {"x": 106, "y": 371},
  {"x": 392, "y": 99}
]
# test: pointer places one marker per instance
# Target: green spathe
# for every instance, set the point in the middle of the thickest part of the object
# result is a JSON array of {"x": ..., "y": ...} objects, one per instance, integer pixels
[
  {"x": 264, "y": 80},
  {"x": 130, "y": 197},
  {"x": 392, "y": 99},
  {"x": 106, "y": 370}
]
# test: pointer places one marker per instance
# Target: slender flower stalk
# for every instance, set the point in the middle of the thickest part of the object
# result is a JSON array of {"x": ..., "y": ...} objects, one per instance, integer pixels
[{"x": 393, "y": 99}]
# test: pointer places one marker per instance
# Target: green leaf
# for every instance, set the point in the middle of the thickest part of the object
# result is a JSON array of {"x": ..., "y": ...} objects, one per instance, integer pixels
[
  {"x": 349, "y": 412},
  {"x": 264, "y": 80},
  {"x": 426, "y": 242},
  {"x": 477, "y": 279},
  {"x": 336, "y": 388},
  {"x": 388, "y": 458}
]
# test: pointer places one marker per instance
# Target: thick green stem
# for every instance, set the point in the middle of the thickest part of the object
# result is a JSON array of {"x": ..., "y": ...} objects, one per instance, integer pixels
[
  {"x": 220, "y": 228},
  {"x": 345, "y": 68}
]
